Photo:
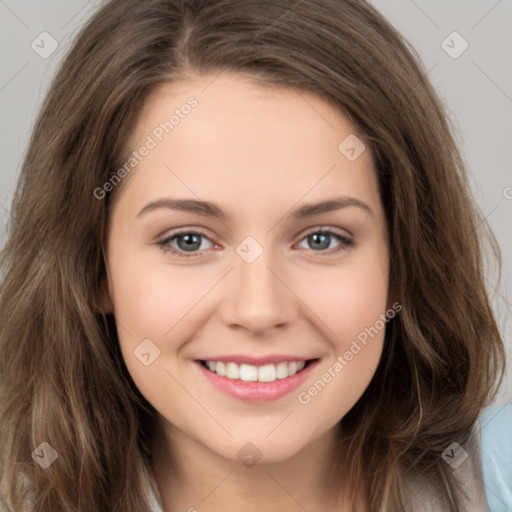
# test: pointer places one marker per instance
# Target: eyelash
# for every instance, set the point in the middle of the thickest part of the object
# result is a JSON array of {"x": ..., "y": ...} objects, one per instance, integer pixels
[{"x": 346, "y": 243}]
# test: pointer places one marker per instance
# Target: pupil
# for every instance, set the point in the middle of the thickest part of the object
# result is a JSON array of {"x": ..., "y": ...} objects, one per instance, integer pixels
[
  {"x": 190, "y": 240},
  {"x": 314, "y": 239}
]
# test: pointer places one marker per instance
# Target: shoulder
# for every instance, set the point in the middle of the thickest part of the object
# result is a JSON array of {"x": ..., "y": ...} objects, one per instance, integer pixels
[{"x": 496, "y": 446}]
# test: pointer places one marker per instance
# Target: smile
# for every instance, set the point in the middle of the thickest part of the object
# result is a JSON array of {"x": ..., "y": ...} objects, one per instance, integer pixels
[
  {"x": 251, "y": 373},
  {"x": 256, "y": 382}
]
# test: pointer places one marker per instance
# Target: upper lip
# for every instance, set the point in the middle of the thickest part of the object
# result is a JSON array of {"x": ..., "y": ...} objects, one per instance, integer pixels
[{"x": 257, "y": 361}]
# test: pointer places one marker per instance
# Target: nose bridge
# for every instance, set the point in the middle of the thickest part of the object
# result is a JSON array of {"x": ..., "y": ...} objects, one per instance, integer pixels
[{"x": 258, "y": 299}]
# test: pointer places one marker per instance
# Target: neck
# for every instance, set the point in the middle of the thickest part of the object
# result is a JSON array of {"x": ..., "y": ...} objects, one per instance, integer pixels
[{"x": 192, "y": 477}]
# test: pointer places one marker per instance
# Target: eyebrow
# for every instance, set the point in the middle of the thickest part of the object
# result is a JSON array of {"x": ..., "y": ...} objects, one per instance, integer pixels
[{"x": 209, "y": 209}]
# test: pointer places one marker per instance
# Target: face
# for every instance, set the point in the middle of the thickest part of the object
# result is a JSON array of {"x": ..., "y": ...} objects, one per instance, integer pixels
[{"x": 248, "y": 264}]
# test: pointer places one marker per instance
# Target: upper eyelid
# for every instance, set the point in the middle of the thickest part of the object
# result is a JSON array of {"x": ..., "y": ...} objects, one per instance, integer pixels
[
  {"x": 180, "y": 232},
  {"x": 329, "y": 229}
]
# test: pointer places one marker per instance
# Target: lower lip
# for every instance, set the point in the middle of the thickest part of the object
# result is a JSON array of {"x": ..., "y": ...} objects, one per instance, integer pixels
[{"x": 257, "y": 391}]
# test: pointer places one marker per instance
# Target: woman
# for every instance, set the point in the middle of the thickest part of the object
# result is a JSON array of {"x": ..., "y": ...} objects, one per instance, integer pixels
[{"x": 331, "y": 347}]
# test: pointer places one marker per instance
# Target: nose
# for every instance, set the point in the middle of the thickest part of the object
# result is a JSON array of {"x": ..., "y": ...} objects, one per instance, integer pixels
[{"x": 258, "y": 299}]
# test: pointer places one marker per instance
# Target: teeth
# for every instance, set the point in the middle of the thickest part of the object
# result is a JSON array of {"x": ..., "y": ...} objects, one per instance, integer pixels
[
  {"x": 251, "y": 373},
  {"x": 248, "y": 373},
  {"x": 232, "y": 371},
  {"x": 267, "y": 373},
  {"x": 282, "y": 371},
  {"x": 221, "y": 369}
]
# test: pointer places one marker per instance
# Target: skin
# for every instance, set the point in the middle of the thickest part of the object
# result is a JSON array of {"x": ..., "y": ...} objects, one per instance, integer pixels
[{"x": 257, "y": 152}]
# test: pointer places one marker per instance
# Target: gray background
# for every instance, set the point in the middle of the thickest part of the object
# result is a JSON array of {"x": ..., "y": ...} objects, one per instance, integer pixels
[{"x": 476, "y": 88}]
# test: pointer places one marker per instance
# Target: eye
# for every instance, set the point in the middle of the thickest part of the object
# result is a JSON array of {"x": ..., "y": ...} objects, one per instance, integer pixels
[
  {"x": 189, "y": 243},
  {"x": 320, "y": 240},
  {"x": 186, "y": 241}
]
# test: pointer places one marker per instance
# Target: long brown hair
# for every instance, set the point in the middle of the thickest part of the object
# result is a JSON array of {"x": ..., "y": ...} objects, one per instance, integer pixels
[{"x": 63, "y": 380}]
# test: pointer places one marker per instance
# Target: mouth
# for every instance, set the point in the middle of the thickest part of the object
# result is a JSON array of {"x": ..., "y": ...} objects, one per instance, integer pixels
[
  {"x": 256, "y": 382},
  {"x": 256, "y": 373}
]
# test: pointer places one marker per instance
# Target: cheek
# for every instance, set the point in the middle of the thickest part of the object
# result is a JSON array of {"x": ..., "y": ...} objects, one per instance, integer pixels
[
  {"x": 165, "y": 305},
  {"x": 348, "y": 300},
  {"x": 351, "y": 304},
  {"x": 154, "y": 308},
  {"x": 151, "y": 300}
]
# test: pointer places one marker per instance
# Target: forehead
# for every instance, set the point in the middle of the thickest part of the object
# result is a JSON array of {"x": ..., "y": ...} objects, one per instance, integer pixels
[{"x": 247, "y": 141}]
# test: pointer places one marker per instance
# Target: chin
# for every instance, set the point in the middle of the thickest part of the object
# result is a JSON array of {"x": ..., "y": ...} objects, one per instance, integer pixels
[{"x": 257, "y": 450}]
